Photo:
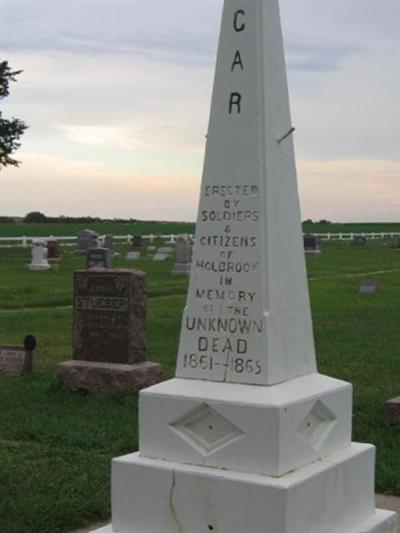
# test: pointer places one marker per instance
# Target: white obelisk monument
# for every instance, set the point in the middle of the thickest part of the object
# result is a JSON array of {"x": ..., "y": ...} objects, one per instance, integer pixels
[{"x": 248, "y": 438}]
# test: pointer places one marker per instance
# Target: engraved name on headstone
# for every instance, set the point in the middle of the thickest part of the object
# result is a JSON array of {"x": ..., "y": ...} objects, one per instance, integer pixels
[{"x": 109, "y": 315}]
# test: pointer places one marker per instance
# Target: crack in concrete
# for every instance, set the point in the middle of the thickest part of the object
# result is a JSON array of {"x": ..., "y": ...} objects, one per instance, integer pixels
[{"x": 171, "y": 504}]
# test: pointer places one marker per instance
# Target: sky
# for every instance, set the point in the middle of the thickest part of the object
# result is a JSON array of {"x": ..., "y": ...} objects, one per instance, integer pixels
[{"x": 117, "y": 95}]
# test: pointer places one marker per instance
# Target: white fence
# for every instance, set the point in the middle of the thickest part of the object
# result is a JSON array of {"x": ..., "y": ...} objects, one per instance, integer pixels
[
  {"x": 351, "y": 236},
  {"x": 70, "y": 241},
  {"x": 170, "y": 239}
]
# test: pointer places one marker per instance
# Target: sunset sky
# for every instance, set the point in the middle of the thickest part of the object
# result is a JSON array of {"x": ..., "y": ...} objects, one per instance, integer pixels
[{"x": 117, "y": 94}]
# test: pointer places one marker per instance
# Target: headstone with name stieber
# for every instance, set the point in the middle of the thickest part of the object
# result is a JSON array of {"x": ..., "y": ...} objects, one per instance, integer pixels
[
  {"x": 248, "y": 437},
  {"x": 109, "y": 353}
]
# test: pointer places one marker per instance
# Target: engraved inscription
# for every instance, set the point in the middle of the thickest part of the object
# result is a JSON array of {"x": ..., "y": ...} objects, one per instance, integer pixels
[
  {"x": 224, "y": 322},
  {"x": 109, "y": 316}
]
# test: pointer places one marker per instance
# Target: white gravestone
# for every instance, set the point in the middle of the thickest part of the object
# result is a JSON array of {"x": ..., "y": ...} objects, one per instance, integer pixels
[
  {"x": 39, "y": 255},
  {"x": 248, "y": 438},
  {"x": 160, "y": 256},
  {"x": 133, "y": 256}
]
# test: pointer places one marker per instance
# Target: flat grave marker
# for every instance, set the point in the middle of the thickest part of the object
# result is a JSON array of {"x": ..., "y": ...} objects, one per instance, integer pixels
[{"x": 368, "y": 286}]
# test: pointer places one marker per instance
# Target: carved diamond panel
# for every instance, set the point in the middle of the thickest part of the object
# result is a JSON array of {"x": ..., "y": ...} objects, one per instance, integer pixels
[
  {"x": 206, "y": 430},
  {"x": 317, "y": 425}
]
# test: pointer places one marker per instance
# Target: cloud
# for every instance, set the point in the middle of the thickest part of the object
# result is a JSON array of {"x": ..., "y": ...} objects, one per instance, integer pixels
[
  {"x": 59, "y": 186},
  {"x": 350, "y": 190},
  {"x": 310, "y": 58},
  {"x": 154, "y": 31}
]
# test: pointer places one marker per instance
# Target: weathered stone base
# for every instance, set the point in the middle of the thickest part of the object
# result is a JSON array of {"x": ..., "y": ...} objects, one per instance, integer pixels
[
  {"x": 330, "y": 496},
  {"x": 313, "y": 252},
  {"x": 107, "y": 377},
  {"x": 391, "y": 412},
  {"x": 181, "y": 269},
  {"x": 39, "y": 267}
]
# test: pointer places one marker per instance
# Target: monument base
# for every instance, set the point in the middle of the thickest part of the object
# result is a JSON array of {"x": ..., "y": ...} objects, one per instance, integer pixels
[
  {"x": 39, "y": 267},
  {"x": 181, "y": 269},
  {"x": 107, "y": 377},
  {"x": 334, "y": 495},
  {"x": 313, "y": 252}
]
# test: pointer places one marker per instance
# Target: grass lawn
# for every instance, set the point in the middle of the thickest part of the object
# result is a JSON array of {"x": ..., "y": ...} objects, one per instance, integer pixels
[
  {"x": 166, "y": 228},
  {"x": 56, "y": 447}
]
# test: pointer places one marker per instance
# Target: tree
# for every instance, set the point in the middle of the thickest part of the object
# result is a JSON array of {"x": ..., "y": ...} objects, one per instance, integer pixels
[
  {"x": 35, "y": 217},
  {"x": 10, "y": 129}
]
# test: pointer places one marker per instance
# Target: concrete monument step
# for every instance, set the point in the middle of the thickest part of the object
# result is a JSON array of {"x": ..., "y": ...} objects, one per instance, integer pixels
[{"x": 329, "y": 496}]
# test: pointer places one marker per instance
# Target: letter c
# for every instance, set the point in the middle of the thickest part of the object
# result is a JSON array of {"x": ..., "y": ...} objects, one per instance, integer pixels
[{"x": 235, "y": 21}]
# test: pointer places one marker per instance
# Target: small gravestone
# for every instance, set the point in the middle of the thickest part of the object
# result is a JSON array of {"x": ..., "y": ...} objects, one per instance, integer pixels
[
  {"x": 183, "y": 257},
  {"x": 133, "y": 256},
  {"x": 53, "y": 251},
  {"x": 151, "y": 249},
  {"x": 391, "y": 411},
  {"x": 109, "y": 353},
  {"x": 87, "y": 239},
  {"x": 359, "y": 240},
  {"x": 39, "y": 255},
  {"x": 109, "y": 241},
  {"x": 17, "y": 360},
  {"x": 166, "y": 250},
  {"x": 311, "y": 245},
  {"x": 137, "y": 242},
  {"x": 368, "y": 286},
  {"x": 160, "y": 256},
  {"x": 98, "y": 258},
  {"x": 397, "y": 245}
]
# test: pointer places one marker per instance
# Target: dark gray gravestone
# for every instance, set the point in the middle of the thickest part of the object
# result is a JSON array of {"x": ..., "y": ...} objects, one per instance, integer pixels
[
  {"x": 53, "y": 251},
  {"x": 368, "y": 286},
  {"x": 108, "y": 242},
  {"x": 183, "y": 257},
  {"x": 360, "y": 240},
  {"x": 311, "y": 245},
  {"x": 137, "y": 241},
  {"x": 98, "y": 258},
  {"x": 310, "y": 242},
  {"x": 87, "y": 239},
  {"x": 109, "y": 316}
]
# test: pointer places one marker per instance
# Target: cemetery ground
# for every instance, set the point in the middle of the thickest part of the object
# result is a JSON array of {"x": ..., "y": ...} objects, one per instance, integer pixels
[{"x": 56, "y": 447}]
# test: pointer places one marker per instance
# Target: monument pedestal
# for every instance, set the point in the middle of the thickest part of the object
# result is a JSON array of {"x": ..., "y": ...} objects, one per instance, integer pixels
[
  {"x": 249, "y": 428},
  {"x": 333, "y": 495},
  {"x": 107, "y": 377},
  {"x": 234, "y": 458}
]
